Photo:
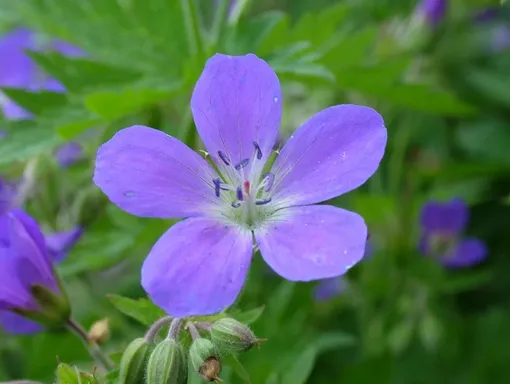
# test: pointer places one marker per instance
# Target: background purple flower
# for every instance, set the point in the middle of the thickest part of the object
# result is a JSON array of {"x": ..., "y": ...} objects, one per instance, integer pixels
[
  {"x": 60, "y": 243},
  {"x": 433, "y": 11},
  {"x": 442, "y": 225},
  {"x": 24, "y": 262},
  {"x": 68, "y": 154},
  {"x": 18, "y": 70},
  {"x": 199, "y": 265}
]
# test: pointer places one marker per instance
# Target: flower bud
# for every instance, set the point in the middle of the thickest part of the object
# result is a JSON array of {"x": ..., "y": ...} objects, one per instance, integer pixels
[
  {"x": 205, "y": 360},
  {"x": 232, "y": 336},
  {"x": 100, "y": 331},
  {"x": 67, "y": 374},
  {"x": 165, "y": 364},
  {"x": 134, "y": 362}
]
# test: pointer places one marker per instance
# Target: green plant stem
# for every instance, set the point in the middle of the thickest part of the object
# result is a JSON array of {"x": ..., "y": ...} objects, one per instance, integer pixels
[
  {"x": 219, "y": 22},
  {"x": 95, "y": 351},
  {"x": 156, "y": 327},
  {"x": 193, "y": 32}
]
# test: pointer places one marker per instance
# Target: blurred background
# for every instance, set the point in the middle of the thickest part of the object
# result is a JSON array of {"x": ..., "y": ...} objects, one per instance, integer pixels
[{"x": 74, "y": 72}]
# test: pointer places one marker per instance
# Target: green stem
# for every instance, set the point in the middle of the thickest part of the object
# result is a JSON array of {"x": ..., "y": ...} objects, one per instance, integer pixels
[
  {"x": 193, "y": 33},
  {"x": 219, "y": 22},
  {"x": 97, "y": 354},
  {"x": 239, "y": 9}
]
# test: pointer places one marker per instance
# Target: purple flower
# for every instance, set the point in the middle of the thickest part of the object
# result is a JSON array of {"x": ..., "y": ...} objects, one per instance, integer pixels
[
  {"x": 68, "y": 154},
  {"x": 199, "y": 265},
  {"x": 433, "y": 11},
  {"x": 7, "y": 196},
  {"x": 442, "y": 225},
  {"x": 24, "y": 263},
  {"x": 59, "y": 244},
  {"x": 18, "y": 70}
]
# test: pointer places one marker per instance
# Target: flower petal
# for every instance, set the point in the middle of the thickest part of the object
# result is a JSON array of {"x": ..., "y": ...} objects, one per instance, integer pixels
[
  {"x": 28, "y": 249},
  {"x": 59, "y": 243},
  {"x": 197, "y": 267},
  {"x": 334, "y": 152},
  {"x": 312, "y": 242},
  {"x": 237, "y": 101},
  {"x": 469, "y": 251},
  {"x": 449, "y": 217},
  {"x": 149, "y": 173},
  {"x": 16, "y": 324}
]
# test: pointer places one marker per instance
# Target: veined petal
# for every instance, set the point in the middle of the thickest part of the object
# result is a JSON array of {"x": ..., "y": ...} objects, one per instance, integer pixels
[
  {"x": 312, "y": 242},
  {"x": 334, "y": 152},
  {"x": 16, "y": 324},
  {"x": 197, "y": 267},
  {"x": 469, "y": 251},
  {"x": 237, "y": 101},
  {"x": 149, "y": 173},
  {"x": 449, "y": 217}
]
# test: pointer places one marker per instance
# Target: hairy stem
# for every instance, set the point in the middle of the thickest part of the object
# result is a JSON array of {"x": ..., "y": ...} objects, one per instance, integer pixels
[
  {"x": 97, "y": 354},
  {"x": 156, "y": 327},
  {"x": 193, "y": 331},
  {"x": 175, "y": 328}
]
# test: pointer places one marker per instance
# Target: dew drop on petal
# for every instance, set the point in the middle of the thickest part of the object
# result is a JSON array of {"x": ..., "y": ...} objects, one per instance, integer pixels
[
  {"x": 275, "y": 99},
  {"x": 129, "y": 194}
]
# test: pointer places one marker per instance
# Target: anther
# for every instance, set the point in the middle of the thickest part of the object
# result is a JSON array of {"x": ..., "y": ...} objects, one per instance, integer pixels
[
  {"x": 217, "y": 187},
  {"x": 236, "y": 204},
  {"x": 239, "y": 193},
  {"x": 258, "y": 150},
  {"x": 263, "y": 201},
  {"x": 243, "y": 163},
  {"x": 224, "y": 158},
  {"x": 269, "y": 179}
]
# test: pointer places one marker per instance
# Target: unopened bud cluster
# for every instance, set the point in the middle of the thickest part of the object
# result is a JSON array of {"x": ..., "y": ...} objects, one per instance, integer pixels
[{"x": 146, "y": 361}]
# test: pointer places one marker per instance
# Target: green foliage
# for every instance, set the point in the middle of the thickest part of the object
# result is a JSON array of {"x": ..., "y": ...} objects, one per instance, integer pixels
[{"x": 403, "y": 318}]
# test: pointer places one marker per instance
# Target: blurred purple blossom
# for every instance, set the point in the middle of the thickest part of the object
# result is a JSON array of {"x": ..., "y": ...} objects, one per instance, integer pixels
[
  {"x": 24, "y": 262},
  {"x": 68, "y": 154},
  {"x": 500, "y": 31},
  {"x": 433, "y": 11},
  {"x": 18, "y": 70},
  {"x": 200, "y": 264},
  {"x": 442, "y": 226}
]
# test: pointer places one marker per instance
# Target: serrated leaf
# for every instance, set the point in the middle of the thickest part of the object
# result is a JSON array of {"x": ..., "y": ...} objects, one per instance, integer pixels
[{"x": 142, "y": 310}]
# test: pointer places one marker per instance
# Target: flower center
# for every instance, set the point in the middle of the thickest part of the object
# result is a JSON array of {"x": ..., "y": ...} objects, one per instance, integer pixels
[
  {"x": 442, "y": 244},
  {"x": 244, "y": 191}
]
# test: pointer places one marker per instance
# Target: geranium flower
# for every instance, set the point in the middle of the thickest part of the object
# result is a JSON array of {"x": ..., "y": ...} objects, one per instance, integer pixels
[
  {"x": 442, "y": 225},
  {"x": 199, "y": 265}
]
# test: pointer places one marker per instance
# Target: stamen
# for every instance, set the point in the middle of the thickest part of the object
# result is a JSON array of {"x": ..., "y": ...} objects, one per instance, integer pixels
[
  {"x": 243, "y": 163},
  {"x": 236, "y": 204},
  {"x": 217, "y": 187},
  {"x": 269, "y": 180},
  {"x": 258, "y": 150},
  {"x": 239, "y": 193},
  {"x": 263, "y": 201},
  {"x": 224, "y": 158}
]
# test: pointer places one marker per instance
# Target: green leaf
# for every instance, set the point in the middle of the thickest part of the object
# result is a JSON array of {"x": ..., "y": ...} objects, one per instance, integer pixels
[
  {"x": 237, "y": 367},
  {"x": 36, "y": 102},
  {"x": 96, "y": 251},
  {"x": 70, "y": 375},
  {"x": 249, "y": 317},
  {"x": 114, "y": 104},
  {"x": 142, "y": 310},
  {"x": 26, "y": 139}
]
